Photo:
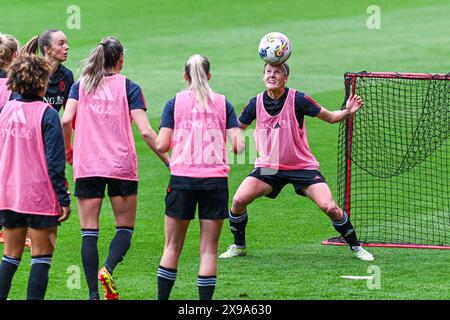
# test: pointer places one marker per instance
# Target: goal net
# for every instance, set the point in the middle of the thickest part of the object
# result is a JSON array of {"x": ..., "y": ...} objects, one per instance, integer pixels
[{"x": 394, "y": 160}]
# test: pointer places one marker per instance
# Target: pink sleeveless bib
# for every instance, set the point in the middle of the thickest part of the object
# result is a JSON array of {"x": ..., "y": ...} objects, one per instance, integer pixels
[
  {"x": 281, "y": 144},
  {"x": 199, "y": 137},
  {"x": 24, "y": 181},
  {"x": 103, "y": 139}
]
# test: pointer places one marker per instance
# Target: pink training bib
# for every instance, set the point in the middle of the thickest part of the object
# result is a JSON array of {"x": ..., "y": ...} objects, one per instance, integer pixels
[
  {"x": 24, "y": 181},
  {"x": 281, "y": 144},
  {"x": 199, "y": 137},
  {"x": 103, "y": 139}
]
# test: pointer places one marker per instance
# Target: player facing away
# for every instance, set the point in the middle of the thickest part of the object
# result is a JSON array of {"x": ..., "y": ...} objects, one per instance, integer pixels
[
  {"x": 9, "y": 50},
  {"x": 104, "y": 103},
  {"x": 52, "y": 44},
  {"x": 195, "y": 126},
  {"x": 285, "y": 157},
  {"x": 31, "y": 142}
]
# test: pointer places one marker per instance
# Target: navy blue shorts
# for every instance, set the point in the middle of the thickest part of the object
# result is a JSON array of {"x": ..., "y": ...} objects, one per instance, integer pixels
[
  {"x": 277, "y": 179},
  {"x": 12, "y": 219},
  {"x": 212, "y": 204},
  {"x": 94, "y": 187}
]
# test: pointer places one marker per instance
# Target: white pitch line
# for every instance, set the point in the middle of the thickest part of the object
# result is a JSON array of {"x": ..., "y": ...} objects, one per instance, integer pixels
[{"x": 358, "y": 277}]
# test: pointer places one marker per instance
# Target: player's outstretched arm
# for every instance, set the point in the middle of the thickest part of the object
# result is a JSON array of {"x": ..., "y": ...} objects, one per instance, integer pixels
[
  {"x": 140, "y": 118},
  {"x": 353, "y": 104}
]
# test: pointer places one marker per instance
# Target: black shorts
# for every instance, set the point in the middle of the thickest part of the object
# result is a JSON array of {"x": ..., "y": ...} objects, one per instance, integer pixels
[
  {"x": 12, "y": 219},
  {"x": 277, "y": 179},
  {"x": 212, "y": 204},
  {"x": 94, "y": 187}
]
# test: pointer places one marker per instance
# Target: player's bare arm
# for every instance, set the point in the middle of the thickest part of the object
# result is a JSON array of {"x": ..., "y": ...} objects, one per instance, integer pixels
[{"x": 353, "y": 104}]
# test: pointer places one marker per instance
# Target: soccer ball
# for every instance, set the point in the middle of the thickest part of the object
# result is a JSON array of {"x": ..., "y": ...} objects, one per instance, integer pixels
[{"x": 274, "y": 48}]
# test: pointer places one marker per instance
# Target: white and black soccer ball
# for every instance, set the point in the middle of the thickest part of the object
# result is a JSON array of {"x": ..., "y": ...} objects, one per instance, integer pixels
[{"x": 275, "y": 48}]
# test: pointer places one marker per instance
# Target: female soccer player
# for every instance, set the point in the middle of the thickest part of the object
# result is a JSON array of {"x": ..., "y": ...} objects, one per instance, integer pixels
[
  {"x": 53, "y": 46},
  {"x": 104, "y": 103},
  {"x": 9, "y": 50},
  {"x": 31, "y": 141},
  {"x": 195, "y": 125},
  {"x": 285, "y": 158}
]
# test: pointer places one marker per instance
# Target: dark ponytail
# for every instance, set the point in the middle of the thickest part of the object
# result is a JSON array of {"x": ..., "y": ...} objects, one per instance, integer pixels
[
  {"x": 39, "y": 42},
  {"x": 106, "y": 55}
]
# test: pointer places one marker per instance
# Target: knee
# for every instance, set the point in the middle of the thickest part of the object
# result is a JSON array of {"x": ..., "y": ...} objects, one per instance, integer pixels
[
  {"x": 239, "y": 202},
  {"x": 330, "y": 208}
]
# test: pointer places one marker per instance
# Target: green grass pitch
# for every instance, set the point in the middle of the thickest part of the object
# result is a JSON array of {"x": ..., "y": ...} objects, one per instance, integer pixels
[{"x": 285, "y": 257}]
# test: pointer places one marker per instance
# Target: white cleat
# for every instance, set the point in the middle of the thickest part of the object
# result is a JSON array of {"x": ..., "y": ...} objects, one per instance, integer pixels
[
  {"x": 362, "y": 253},
  {"x": 234, "y": 251}
]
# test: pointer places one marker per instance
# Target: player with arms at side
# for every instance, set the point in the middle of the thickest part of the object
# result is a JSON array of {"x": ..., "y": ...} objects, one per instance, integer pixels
[
  {"x": 285, "y": 157},
  {"x": 105, "y": 103},
  {"x": 31, "y": 142},
  {"x": 195, "y": 125}
]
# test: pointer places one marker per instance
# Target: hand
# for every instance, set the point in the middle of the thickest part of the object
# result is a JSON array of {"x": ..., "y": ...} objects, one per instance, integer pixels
[
  {"x": 69, "y": 156},
  {"x": 353, "y": 104},
  {"x": 65, "y": 213}
]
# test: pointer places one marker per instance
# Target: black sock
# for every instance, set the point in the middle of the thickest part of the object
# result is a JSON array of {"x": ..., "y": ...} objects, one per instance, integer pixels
[
  {"x": 89, "y": 257},
  {"x": 345, "y": 228},
  {"x": 166, "y": 279},
  {"x": 237, "y": 227},
  {"x": 206, "y": 286},
  {"x": 118, "y": 247},
  {"x": 38, "y": 280},
  {"x": 8, "y": 268}
]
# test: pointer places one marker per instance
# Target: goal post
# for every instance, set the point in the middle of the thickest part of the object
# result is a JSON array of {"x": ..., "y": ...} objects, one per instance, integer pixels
[{"x": 394, "y": 160}]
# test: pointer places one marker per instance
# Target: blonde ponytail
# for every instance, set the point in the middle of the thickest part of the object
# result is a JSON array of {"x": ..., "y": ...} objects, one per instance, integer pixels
[{"x": 197, "y": 70}]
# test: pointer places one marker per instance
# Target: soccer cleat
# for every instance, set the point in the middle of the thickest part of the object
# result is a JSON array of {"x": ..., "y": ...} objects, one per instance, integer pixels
[
  {"x": 362, "y": 253},
  {"x": 108, "y": 284},
  {"x": 234, "y": 251}
]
